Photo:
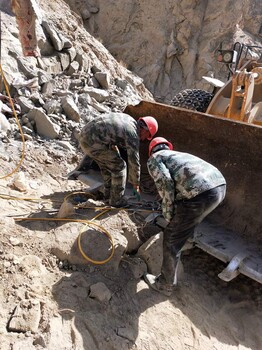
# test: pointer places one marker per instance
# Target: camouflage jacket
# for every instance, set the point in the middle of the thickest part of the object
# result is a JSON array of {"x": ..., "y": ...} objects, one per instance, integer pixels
[
  {"x": 116, "y": 129},
  {"x": 179, "y": 176}
]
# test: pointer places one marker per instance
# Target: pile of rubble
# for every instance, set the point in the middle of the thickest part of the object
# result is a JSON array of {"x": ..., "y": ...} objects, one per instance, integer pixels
[{"x": 72, "y": 81}]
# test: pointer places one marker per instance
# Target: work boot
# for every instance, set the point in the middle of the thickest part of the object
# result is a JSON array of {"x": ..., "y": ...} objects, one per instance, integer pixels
[
  {"x": 121, "y": 203},
  {"x": 106, "y": 195},
  {"x": 154, "y": 283},
  {"x": 97, "y": 195}
]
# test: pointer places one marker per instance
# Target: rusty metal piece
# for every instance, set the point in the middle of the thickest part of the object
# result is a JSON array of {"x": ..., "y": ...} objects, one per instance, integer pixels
[{"x": 25, "y": 18}]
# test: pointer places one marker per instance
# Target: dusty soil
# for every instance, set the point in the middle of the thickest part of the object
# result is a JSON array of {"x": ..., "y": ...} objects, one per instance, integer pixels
[{"x": 204, "y": 313}]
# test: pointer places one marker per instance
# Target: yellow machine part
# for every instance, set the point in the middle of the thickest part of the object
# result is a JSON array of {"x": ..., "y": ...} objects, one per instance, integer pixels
[{"x": 241, "y": 97}]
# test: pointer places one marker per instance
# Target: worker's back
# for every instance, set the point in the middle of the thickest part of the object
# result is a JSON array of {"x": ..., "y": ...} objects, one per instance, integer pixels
[
  {"x": 112, "y": 128},
  {"x": 191, "y": 175}
]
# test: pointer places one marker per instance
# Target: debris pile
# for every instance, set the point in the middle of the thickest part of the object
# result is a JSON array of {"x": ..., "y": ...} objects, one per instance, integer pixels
[{"x": 73, "y": 80}]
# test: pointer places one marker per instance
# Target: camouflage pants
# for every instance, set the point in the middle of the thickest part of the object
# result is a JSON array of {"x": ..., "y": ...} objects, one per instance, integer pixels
[
  {"x": 188, "y": 214},
  {"x": 112, "y": 166}
]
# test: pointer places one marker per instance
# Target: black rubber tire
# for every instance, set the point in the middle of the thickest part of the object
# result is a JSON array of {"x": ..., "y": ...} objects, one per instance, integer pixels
[{"x": 194, "y": 99}]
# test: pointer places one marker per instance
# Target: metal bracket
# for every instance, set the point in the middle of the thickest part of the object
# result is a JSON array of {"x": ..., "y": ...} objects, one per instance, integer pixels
[{"x": 231, "y": 271}]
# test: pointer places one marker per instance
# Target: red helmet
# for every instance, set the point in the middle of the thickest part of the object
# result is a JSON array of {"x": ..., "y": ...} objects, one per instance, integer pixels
[
  {"x": 151, "y": 124},
  {"x": 158, "y": 141}
]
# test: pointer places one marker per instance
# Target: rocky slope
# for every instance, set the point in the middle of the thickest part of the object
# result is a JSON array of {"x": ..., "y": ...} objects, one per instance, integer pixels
[{"x": 171, "y": 44}]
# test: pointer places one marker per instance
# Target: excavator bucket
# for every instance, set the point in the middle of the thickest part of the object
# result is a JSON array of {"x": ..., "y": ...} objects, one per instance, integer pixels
[{"x": 233, "y": 232}]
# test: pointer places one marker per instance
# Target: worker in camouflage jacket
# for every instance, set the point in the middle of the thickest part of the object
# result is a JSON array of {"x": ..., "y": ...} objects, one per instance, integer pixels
[
  {"x": 101, "y": 139},
  {"x": 190, "y": 188}
]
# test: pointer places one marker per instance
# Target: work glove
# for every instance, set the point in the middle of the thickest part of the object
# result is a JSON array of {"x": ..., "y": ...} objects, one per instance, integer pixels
[{"x": 136, "y": 192}]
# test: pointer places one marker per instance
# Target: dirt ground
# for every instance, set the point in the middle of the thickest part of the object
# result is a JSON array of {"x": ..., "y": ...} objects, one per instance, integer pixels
[{"x": 204, "y": 313}]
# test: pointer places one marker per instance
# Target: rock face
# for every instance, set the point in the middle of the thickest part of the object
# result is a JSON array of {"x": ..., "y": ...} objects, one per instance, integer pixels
[{"x": 171, "y": 44}]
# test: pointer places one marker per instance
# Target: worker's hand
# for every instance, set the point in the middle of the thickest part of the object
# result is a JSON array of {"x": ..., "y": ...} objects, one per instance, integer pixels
[{"x": 136, "y": 192}]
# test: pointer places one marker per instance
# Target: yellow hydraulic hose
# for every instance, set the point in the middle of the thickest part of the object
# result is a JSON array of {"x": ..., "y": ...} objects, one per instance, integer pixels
[
  {"x": 86, "y": 222},
  {"x": 19, "y": 126},
  {"x": 5, "y": 196},
  {"x": 74, "y": 193}
]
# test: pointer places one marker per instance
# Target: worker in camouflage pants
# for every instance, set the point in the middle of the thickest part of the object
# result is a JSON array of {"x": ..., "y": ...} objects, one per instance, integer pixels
[
  {"x": 101, "y": 138},
  {"x": 190, "y": 189}
]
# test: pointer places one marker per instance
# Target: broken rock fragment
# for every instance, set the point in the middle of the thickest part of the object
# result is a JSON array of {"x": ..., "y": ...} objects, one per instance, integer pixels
[
  {"x": 44, "y": 126},
  {"x": 73, "y": 68},
  {"x": 4, "y": 123},
  {"x": 26, "y": 317},
  {"x": 152, "y": 253},
  {"x": 100, "y": 292},
  {"x": 25, "y": 104},
  {"x": 54, "y": 36},
  {"x": 20, "y": 182},
  {"x": 103, "y": 79},
  {"x": 67, "y": 209},
  {"x": 70, "y": 108},
  {"x": 99, "y": 94}
]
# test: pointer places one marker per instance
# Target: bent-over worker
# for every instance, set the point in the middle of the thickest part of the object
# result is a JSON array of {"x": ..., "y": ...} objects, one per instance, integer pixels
[
  {"x": 101, "y": 138},
  {"x": 190, "y": 189}
]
